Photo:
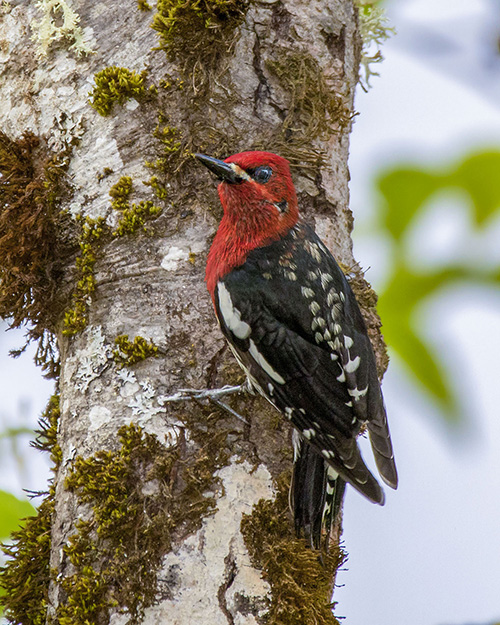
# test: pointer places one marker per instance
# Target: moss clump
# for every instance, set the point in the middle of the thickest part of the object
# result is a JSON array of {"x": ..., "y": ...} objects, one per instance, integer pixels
[
  {"x": 75, "y": 319},
  {"x": 35, "y": 238},
  {"x": 143, "y": 5},
  {"x": 301, "y": 582},
  {"x": 120, "y": 193},
  {"x": 46, "y": 439},
  {"x": 173, "y": 153},
  {"x": 208, "y": 25},
  {"x": 133, "y": 216},
  {"x": 136, "y": 508},
  {"x": 26, "y": 575},
  {"x": 129, "y": 353},
  {"x": 116, "y": 85},
  {"x": 107, "y": 171},
  {"x": 313, "y": 109},
  {"x": 374, "y": 30}
]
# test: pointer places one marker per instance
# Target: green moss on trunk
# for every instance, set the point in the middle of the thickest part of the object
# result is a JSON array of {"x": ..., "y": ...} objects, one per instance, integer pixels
[
  {"x": 300, "y": 577},
  {"x": 35, "y": 238},
  {"x": 26, "y": 575},
  {"x": 136, "y": 506},
  {"x": 208, "y": 25},
  {"x": 131, "y": 352},
  {"x": 116, "y": 85},
  {"x": 75, "y": 318}
]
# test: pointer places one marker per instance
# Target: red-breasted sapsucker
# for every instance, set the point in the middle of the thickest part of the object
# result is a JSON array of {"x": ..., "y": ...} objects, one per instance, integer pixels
[{"x": 295, "y": 327}]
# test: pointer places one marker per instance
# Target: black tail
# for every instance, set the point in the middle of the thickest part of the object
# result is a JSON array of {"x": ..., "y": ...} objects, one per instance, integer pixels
[{"x": 316, "y": 495}]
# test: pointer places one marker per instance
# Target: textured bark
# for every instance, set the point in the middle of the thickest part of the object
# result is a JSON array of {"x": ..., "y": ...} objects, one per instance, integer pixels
[{"x": 152, "y": 285}]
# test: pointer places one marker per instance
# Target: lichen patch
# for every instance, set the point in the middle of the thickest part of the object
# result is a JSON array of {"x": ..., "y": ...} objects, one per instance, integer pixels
[
  {"x": 98, "y": 416},
  {"x": 87, "y": 362},
  {"x": 173, "y": 257},
  {"x": 58, "y": 23},
  {"x": 214, "y": 561}
]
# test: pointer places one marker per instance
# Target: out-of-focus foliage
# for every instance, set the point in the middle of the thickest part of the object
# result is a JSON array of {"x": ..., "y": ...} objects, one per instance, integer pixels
[
  {"x": 11, "y": 510},
  {"x": 406, "y": 193}
]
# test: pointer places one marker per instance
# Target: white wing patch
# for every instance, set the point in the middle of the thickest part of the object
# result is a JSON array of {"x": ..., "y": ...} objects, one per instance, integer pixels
[
  {"x": 260, "y": 360},
  {"x": 357, "y": 394},
  {"x": 309, "y": 433},
  {"x": 352, "y": 365},
  {"x": 230, "y": 314}
]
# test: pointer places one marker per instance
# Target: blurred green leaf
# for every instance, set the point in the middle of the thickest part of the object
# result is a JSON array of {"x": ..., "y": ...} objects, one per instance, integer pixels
[
  {"x": 399, "y": 307},
  {"x": 421, "y": 365},
  {"x": 12, "y": 510},
  {"x": 14, "y": 432},
  {"x": 406, "y": 190},
  {"x": 479, "y": 175}
]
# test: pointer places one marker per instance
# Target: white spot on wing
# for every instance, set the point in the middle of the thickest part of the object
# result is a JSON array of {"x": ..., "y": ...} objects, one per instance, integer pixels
[
  {"x": 313, "y": 249},
  {"x": 307, "y": 292},
  {"x": 314, "y": 307},
  {"x": 331, "y": 474},
  {"x": 231, "y": 315},
  {"x": 332, "y": 297},
  {"x": 325, "y": 279},
  {"x": 341, "y": 377},
  {"x": 309, "y": 433},
  {"x": 348, "y": 342},
  {"x": 356, "y": 394},
  {"x": 318, "y": 322},
  {"x": 352, "y": 365}
]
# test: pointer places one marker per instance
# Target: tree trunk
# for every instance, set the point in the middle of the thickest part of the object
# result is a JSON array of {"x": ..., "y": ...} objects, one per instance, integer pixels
[{"x": 170, "y": 511}]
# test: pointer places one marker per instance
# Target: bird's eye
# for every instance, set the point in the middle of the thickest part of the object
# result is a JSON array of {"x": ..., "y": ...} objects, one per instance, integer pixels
[{"x": 262, "y": 174}]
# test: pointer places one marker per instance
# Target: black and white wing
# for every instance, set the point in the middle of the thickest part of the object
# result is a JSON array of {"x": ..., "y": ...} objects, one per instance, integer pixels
[{"x": 295, "y": 326}]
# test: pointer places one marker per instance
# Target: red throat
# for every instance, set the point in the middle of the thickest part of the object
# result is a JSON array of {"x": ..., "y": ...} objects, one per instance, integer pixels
[{"x": 254, "y": 214}]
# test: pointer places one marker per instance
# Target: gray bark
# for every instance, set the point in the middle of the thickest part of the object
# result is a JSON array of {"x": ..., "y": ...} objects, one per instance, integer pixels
[{"x": 153, "y": 286}]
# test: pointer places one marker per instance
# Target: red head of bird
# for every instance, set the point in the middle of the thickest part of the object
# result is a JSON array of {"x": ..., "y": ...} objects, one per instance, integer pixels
[{"x": 260, "y": 206}]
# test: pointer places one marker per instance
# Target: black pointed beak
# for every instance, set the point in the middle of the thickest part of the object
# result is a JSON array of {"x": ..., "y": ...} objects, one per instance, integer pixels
[{"x": 222, "y": 170}]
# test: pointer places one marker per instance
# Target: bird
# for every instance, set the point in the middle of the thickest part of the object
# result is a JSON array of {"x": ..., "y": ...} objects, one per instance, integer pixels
[{"x": 295, "y": 327}]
